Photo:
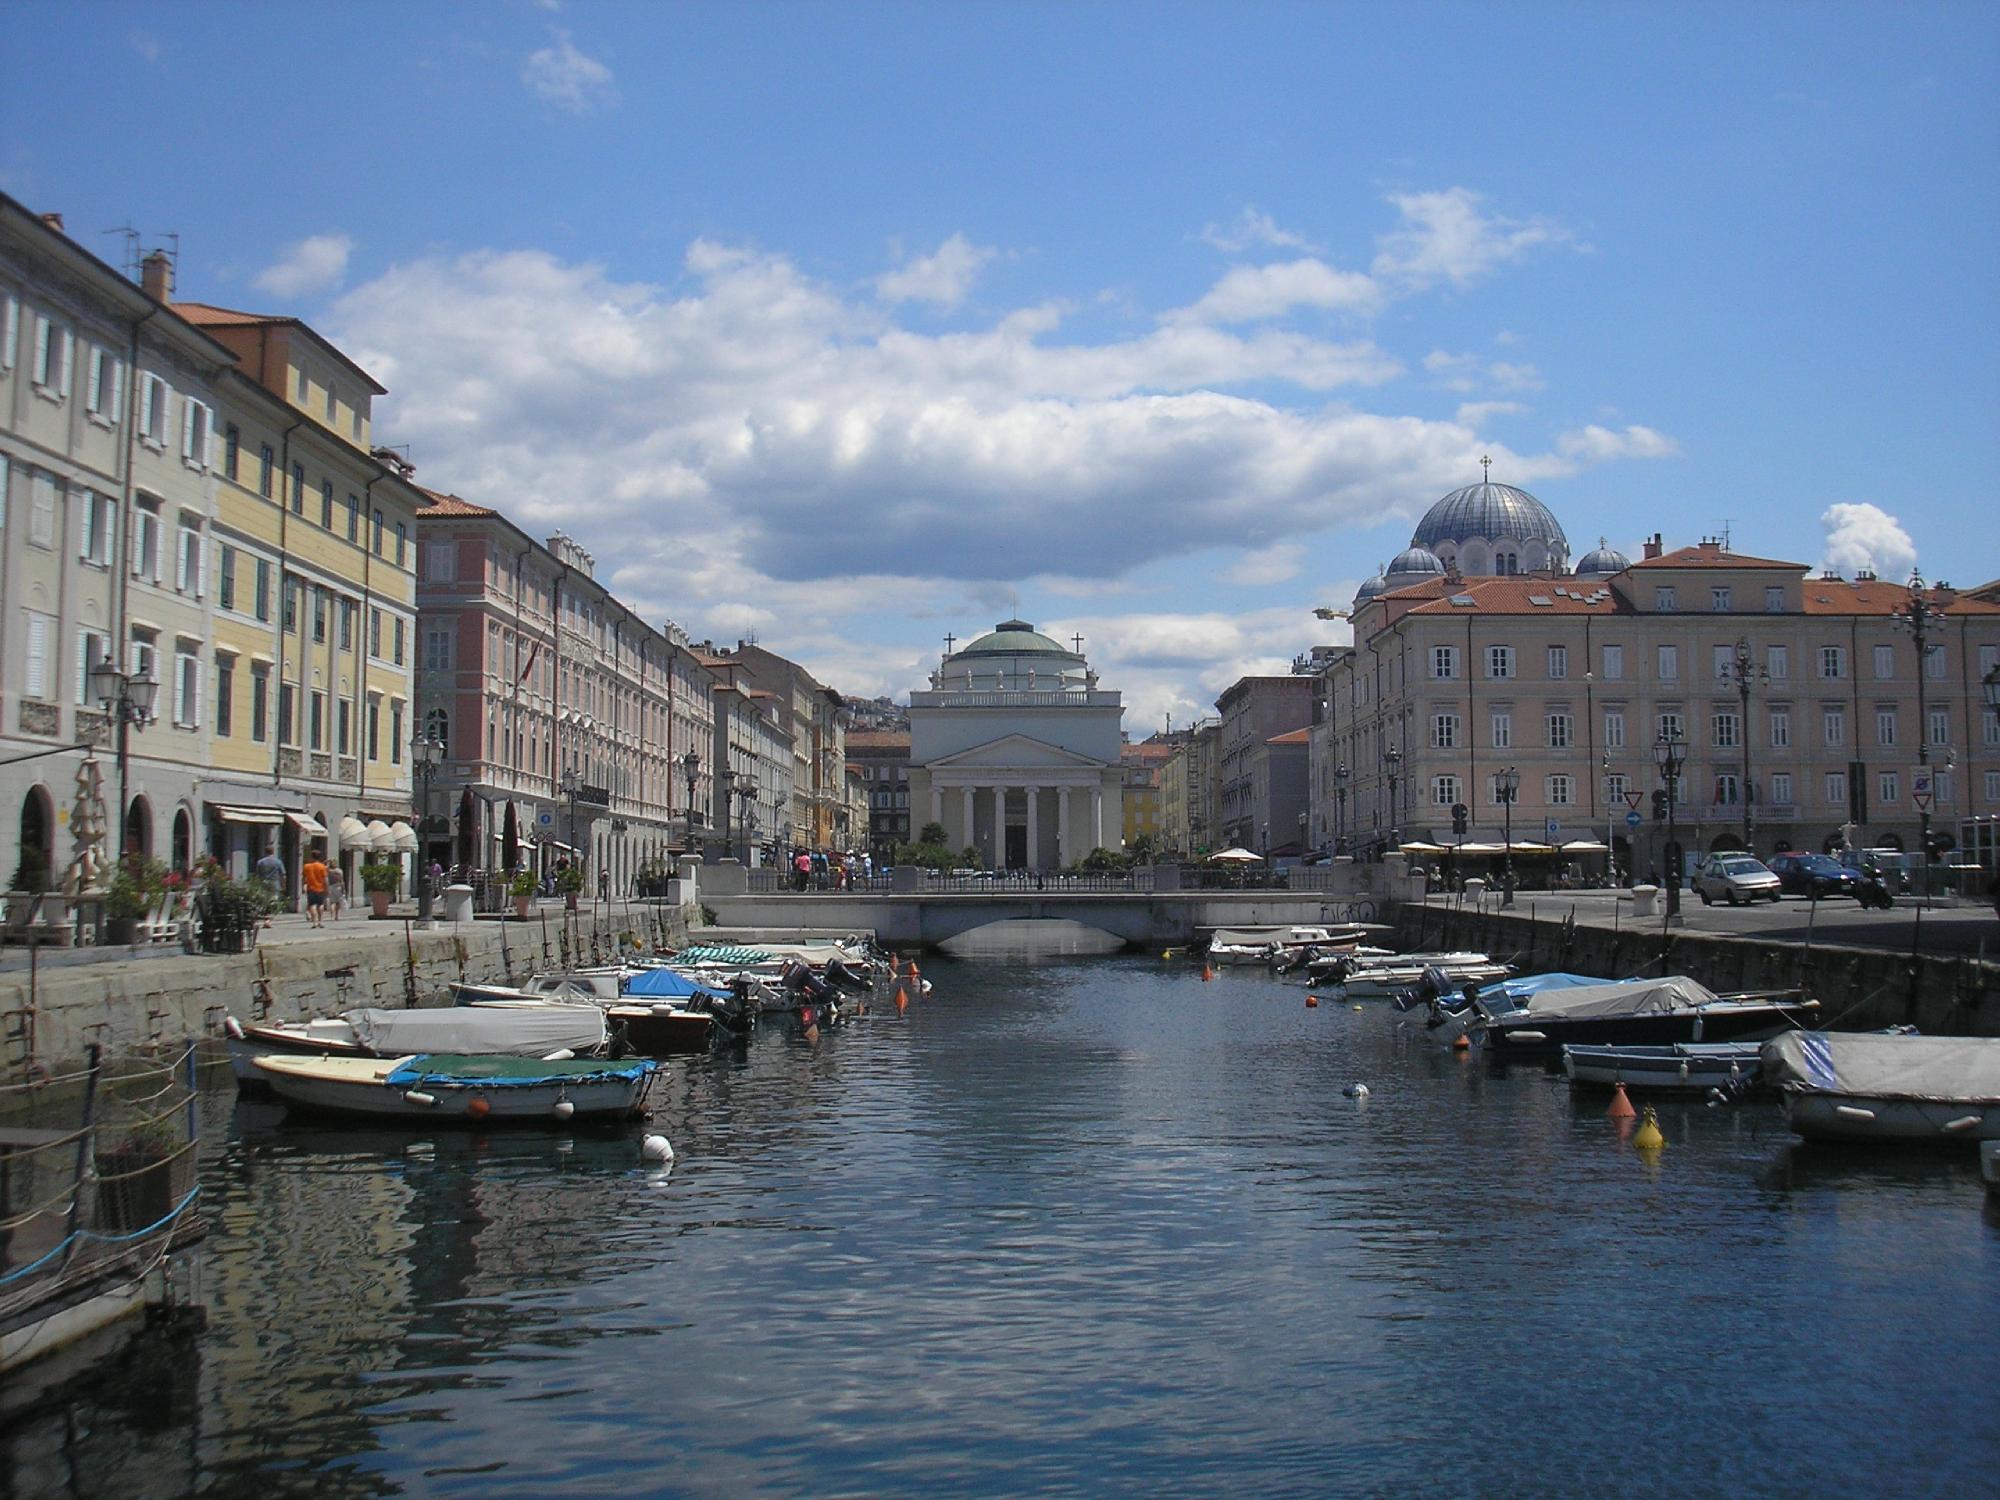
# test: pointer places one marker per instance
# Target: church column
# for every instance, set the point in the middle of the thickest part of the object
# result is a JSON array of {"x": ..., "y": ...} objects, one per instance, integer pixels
[
  {"x": 937, "y": 801},
  {"x": 1034, "y": 827},
  {"x": 1097, "y": 816},
  {"x": 997, "y": 858},
  {"x": 1064, "y": 856},
  {"x": 969, "y": 835}
]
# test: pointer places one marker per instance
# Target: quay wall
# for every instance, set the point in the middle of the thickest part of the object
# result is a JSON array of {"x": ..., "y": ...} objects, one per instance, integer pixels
[
  {"x": 48, "y": 1018},
  {"x": 1857, "y": 988}
]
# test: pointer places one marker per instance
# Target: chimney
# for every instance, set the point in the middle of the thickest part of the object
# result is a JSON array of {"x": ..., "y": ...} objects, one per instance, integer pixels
[
  {"x": 1653, "y": 547},
  {"x": 156, "y": 276},
  {"x": 54, "y": 221}
]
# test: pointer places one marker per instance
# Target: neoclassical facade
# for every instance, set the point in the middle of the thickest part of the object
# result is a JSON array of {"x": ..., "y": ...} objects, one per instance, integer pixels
[{"x": 1017, "y": 752}]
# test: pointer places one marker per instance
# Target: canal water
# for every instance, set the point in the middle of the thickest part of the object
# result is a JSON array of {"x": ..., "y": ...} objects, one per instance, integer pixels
[{"x": 1078, "y": 1227}]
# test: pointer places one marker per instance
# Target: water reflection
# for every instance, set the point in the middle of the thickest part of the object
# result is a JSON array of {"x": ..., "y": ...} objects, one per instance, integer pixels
[{"x": 1079, "y": 1226}]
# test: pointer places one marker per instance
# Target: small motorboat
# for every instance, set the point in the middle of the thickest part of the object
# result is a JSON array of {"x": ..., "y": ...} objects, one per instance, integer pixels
[
  {"x": 1362, "y": 974},
  {"x": 441, "y": 1087},
  {"x": 1692, "y": 1067},
  {"x": 547, "y": 1032},
  {"x": 1276, "y": 944},
  {"x": 1871, "y": 1086},
  {"x": 1641, "y": 1012},
  {"x": 654, "y": 1010},
  {"x": 1449, "y": 1009}
]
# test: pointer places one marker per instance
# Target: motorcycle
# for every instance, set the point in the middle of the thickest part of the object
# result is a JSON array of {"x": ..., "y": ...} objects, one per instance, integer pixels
[{"x": 1873, "y": 891}]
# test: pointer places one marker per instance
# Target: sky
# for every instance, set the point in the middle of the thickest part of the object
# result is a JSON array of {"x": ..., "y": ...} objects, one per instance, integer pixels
[{"x": 846, "y": 326}]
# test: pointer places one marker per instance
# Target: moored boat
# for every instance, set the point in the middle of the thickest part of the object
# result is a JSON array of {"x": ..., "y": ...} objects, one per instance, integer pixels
[
  {"x": 462, "y": 1090},
  {"x": 1363, "y": 974},
  {"x": 546, "y": 1032},
  {"x": 1448, "y": 1009},
  {"x": 1276, "y": 944},
  {"x": 1693, "y": 1067},
  {"x": 1641, "y": 1012},
  {"x": 1870, "y": 1086}
]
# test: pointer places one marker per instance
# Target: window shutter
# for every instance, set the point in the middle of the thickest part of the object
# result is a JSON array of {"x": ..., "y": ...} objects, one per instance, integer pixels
[
  {"x": 93, "y": 385},
  {"x": 43, "y": 329},
  {"x": 38, "y": 653},
  {"x": 68, "y": 360},
  {"x": 88, "y": 524},
  {"x": 181, "y": 562},
  {"x": 207, "y": 437},
  {"x": 117, "y": 390},
  {"x": 187, "y": 426},
  {"x": 180, "y": 690},
  {"x": 200, "y": 566},
  {"x": 83, "y": 666},
  {"x": 10, "y": 331},
  {"x": 137, "y": 544}
]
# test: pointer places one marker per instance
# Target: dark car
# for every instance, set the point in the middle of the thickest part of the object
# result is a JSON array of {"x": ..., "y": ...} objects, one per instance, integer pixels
[{"x": 1815, "y": 875}]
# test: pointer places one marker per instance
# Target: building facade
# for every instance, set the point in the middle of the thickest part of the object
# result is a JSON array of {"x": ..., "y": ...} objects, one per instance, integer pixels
[
  {"x": 1251, "y": 712},
  {"x": 882, "y": 756}
]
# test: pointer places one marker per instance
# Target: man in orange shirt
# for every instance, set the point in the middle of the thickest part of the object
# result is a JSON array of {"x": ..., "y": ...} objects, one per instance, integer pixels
[{"x": 313, "y": 878}]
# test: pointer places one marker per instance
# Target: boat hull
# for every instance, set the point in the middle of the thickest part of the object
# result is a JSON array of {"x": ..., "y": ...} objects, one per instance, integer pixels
[
  {"x": 1989, "y": 1164},
  {"x": 1545, "y": 1036},
  {"x": 402, "y": 1089},
  {"x": 1692, "y": 1068},
  {"x": 1872, "y": 1117}
]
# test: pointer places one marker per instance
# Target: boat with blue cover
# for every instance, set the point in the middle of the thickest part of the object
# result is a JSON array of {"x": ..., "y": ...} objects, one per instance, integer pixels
[{"x": 463, "y": 1090}]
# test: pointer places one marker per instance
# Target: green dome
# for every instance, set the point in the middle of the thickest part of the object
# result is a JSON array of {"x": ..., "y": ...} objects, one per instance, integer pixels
[{"x": 1015, "y": 638}]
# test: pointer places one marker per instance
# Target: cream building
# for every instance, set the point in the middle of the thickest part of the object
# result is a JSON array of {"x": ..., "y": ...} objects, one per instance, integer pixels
[{"x": 1017, "y": 752}]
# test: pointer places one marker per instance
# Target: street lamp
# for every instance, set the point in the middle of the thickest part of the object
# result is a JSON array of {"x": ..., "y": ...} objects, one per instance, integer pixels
[
  {"x": 426, "y": 754},
  {"x": 571, "y": 783},
  {"x": 746, "y": 788},
  {"x": 130, "y": 699},
  {"x": 691, "y": 768},
  {"x": 1919, "y": 617},
  {"x": 1670, "y": 754},
  {"x": 1743, "y": 670},
  {"x": 725, "y": 779},
  {"x": 1507, "y": 784},
  {"x": 1340, "y": 776},
  {"x": 1393, "y": 759}
]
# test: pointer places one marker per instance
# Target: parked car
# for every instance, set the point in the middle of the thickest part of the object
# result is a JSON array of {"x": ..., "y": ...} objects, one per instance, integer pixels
[
  {"x": 1734, "y": 878},
  {"x": 1815, "y": 875}
]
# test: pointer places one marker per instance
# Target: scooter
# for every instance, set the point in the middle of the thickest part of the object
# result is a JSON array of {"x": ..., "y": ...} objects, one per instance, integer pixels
[{"x": 1872, "y": 891}]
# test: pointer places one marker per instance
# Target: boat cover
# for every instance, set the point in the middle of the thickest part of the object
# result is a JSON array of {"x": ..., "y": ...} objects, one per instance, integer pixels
[
  {"x": 1961, "y": 1069},
  {"x": 529, "y": 1031},
  {"x": 511, "y": 1072},
  {"x": 666, "y": 984},
  {"x": 720, "y": 955},
  {"x": 1521, "y": 989},
  {"x": 1628, "y": 997}
]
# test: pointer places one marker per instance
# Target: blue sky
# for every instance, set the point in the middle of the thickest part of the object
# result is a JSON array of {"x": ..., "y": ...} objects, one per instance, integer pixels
[{"x": 846, "y": 326}]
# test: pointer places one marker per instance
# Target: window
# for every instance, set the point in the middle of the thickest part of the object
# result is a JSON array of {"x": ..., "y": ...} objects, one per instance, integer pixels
[
  {"x": 144, "y": 659},
  {"x": 291, "y": 606},
  {"x": 266, "y": 466},
  {"x": 1781, "y": 787},
  {"x": 1614, "y": 663},
  {"x": 437, "y": 726},
  {"x": 104, "y": 387},
  {"x": 353, "y": 517},
  {"x": 1559, "y": 731},
  {"x": 1558, "y": 661},
  {"x": 187, "y": 687},
  {"x": 1885, "y": 726},
  {"x": 1725, "y": 663},
  {"x": 260, "y": 697},
  {"x": 402, "y": 542},
  {"x": 343, "y": 719},
  {"x": 54, "y": 346},
  {"x": 329, "y": 404},
  {"x": 287, "y": 696},
  {"x": 1726, "y": 788},
  {"x": 1444, "y": 791},
  {"x": 437, "y": 649},
  {"x": 347, "y": 624},
  {"x": 396, "y": 636},
  {"x": 1617, "y": 786},
  {"x": 319, "y": 616},
  {"x": 197, "y": 428},
  {"x": 146, "y": 540},
  {"x": 1938, "y": 731},
  {"x": 91, "y": 648},
  {"x": 1833, "y": 725},
  {"x": 1885, "y": 662},
  {"x": 39, "y": 679},
  {"x": 1781, "y": 728},
  {"x": 1444, "y": 659},
  {"x": 10, "y": 329},
  {"x": 153, "y": 409},
  {"x": 1562, "y": 791},
  {"x": 298, "y": 489},
  {"x": 1725, "y": 729},
  {"x": 1836, "y": 788},
  {"x": 299, "y": 371},
  {"x": 1663, "y": 599},
  {"x": 1993, "y": 786},
  {"x": 232, "y": 449},
  {"x": 1502, "y": 727},
  {"x": 1778, "y": 662},
  {"x": 377, "y": 545},
  {"x": 1774, "y": 599},
  {"x": 395, "y": 732},
  {"x": 1499, "y": 661},
  {"x": 1888, "y": 787},
  {"x": 316, "y": 719},
  {"x": 1614, "y": 729},
  {"x": 42, "y": 510},
  {"x": 375, "y": 633},
  {"x": 225, "y": 692},
  {"x": 1670, "y": 726},
  {"x": 1718, "y": 599},
  {"x": 326, "y": 503},
  {"x": 263, "y": 599},
  {"x": 1833, "y": 662},
  {"x": 187, "y": 562},
  {"x": 1444, "y": 731},
  {"x": 374, "y": 726},
  {"x": 1989, "y": 727},
  {"x": 1493, "y": 794},
  {"x": 225, "y": 576},
  {"x": 1669, "y": 663},
  {"x": 1934, "y": 662}
]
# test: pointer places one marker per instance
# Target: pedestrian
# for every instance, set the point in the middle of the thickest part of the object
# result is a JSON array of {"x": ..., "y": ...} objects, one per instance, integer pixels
[
  {"x": 312, "y": 875},
  {"x": 604, "y": 885},
  {"x": 801, "y": 869},
  {"x": 271, "y": 870},
  {"x": 336, "y": 891}
]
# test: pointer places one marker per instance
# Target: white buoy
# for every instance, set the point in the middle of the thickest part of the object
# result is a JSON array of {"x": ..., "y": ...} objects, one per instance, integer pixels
[
  {"x": 233, "y": 1026},
  {"x": 656, "y": 1148},
  {"x": 565, "y": 1108},
  {"x": 1356, "y": 1091}
]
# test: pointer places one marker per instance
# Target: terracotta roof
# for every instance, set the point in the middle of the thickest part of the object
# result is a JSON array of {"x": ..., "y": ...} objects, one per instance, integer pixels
[
  {"x": 1291, "y": 737},
  {"x": 451, "y": 505},
  {"x": 1513, "y": 595},
  {"x": 1711, "y": 555},
  {"x": 1874, "y": 596},
  {"x": 206, "y": 315},
  {"x": 878, "y": 739}
]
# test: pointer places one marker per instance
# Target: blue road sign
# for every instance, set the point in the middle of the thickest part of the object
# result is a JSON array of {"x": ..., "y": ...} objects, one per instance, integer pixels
[{"x": 1631, "y": 820}]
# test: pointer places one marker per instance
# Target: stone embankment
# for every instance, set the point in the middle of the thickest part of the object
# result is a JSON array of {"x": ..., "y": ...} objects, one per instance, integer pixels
[
  {"x": 1858, "y": 988},
  {"x": 50, "y": 1015}
]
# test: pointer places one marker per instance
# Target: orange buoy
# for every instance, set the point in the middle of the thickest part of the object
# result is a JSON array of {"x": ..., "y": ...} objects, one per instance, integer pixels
[
  {"x": 478, "y": 1108},
  {"x": 1461, "y": 1043},
  {"x": 902, "y": 1000},
  {"x": 812, "y": 1032},
  {"x": 1207, "y": 973},
  {"x": 913, "y": 969},
  {"x": 1312, "y": 1002},
  {"x": 1621, "y": 1107}
]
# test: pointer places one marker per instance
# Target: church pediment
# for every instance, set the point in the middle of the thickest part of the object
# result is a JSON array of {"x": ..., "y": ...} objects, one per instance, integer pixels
[{"x": 1015, "y": 752}]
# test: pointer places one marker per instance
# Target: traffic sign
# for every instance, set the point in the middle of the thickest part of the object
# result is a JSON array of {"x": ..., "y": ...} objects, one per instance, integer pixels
[
  {"x": 1631, "y": 820},
  {"x": 1922, "y": 799},
  {"x": 546, "y": 818},
  {"x": 1552, "y": 828},
  {"x": 1632, "y": 800}
]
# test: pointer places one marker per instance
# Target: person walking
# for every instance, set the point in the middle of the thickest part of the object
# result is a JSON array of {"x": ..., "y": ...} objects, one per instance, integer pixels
[
  {"x": 312, "y": 875},
  {"x": 336, "y": 891},
  {"x": 271, "y": 870}
]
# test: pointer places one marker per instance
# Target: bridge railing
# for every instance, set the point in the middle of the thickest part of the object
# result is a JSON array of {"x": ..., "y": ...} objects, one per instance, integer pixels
[{"x": 1140, "y": 881}]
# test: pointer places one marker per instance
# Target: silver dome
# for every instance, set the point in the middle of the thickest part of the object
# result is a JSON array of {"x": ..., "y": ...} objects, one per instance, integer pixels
[
  {"x": 1376, "y": 585},
  {"x": 1602, "y": 562},
  {"x": 1415, "y": 560},
  {"x": 1490, "y": 512}
]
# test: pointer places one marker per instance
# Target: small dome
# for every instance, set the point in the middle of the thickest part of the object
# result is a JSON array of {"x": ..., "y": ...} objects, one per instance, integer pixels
[
  {"x": 1415, "y": 560},
  {"x": 1602, "y": 563},
  {"x": 1015, "y": 638},
  {"x": 1490, "y": 512},
  {"x": 1376, "y": 585}
]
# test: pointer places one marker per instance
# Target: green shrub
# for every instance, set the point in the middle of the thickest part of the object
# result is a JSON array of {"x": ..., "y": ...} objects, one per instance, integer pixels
[
  {"x": 381, "y": 876},
  {"x": 523, "y": 883}
]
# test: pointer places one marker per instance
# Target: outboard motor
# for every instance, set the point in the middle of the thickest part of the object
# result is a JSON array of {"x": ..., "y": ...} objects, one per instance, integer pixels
[{"x": 1433, "y": 984}]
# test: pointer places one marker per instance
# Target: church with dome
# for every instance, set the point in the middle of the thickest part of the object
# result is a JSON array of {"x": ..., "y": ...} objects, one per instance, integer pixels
[{"x": 1015, "y": 750}]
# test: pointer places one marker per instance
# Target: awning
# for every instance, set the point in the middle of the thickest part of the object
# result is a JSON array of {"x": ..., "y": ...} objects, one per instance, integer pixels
[
  {"x": 1585, "y": 846},
  {"x": 262, "y": 817},
  {"x": 557, "y": 844},
  {"x": 354, "y": 834},
  {"x": 379, "y": 837},
  {"x": 403, "y": 837},
  {"x": 307, "y": 824}
]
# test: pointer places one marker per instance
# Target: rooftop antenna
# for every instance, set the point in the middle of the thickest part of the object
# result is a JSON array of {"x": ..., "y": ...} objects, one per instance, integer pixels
[
  {"x": 129, "y": 263},
  {"x": 1727, "y": 522}
]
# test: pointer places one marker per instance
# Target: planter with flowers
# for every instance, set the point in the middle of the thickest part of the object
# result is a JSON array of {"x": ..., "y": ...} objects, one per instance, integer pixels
[{"x": 381, "y": 880}]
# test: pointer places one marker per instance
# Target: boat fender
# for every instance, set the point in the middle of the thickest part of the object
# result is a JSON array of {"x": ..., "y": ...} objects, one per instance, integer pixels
[
  {"x": 1854, "y": 1111},
  {"x": 656, "y": 1148},
  {"x": 561, "y": 1054},
  {"x": 1964, "y": 1122},
  {"x": 233, "y": 1026},
  {"x": 663, "y": 1010},
  {"x": 416, "y": 1097},
  {"x": 1356, "y": 1091},
  {"x": 477, "y": 1107},
  {"x": 564, "y": 1109}
]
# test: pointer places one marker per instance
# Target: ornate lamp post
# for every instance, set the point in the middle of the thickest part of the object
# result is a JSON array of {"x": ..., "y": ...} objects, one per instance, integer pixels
[
  {"x": 1340, "y": 776},
  {"x": 1920, "y": 617},
  {"x": 426, "y": 755},
  {"x": 691, "y": 769},
  {"x": 130, "y": 699},
  {"x": 1507, "y": 784},
  {"x": 1393, "y": 759},
  {"x": 570, "y": 783},
  {"x": 746, "y": 788},
  {"x": 1744, "y": 671},
  {"x": 1670, "y": 754},
  {"x": 725, "y": 778}
]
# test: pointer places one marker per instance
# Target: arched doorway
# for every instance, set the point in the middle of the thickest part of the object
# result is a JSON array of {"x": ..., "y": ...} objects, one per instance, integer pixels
[
  {"x": 139, "y": 828},
  {"x": 34, "y": 870},
  {"x": 1724, "y": 843},
  {"x": 183, "y": 858}
]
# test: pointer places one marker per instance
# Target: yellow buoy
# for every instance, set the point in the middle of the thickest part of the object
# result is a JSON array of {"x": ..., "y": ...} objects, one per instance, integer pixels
[{"x": 1648, "y": 1137}]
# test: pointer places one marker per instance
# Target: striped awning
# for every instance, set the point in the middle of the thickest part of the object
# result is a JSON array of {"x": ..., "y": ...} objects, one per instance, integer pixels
[
  {"x": 307, "y": 824},
  {"x": 403, "y": 837},
  {"x": 261, "y": 817}
]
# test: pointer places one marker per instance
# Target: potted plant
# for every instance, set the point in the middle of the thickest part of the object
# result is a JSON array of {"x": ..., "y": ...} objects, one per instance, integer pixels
[
  {"x": 381, "y": 880},
  {"x": 137, "y": 1177},
  {"x": 127, "y": 901},
  {"x": 522, "y": 888},
  {"x": 569, "y": 883}
]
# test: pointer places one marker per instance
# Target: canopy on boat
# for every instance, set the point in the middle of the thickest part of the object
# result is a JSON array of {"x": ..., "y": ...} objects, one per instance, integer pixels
[
  {"x": 1525, "y": 986},
  {"x": 509, "y": 1072},
  {"x": 1236, "y": 857},
  {"x": 1886, "y": 1066},
  {"x": 1628, "y": 997},
  {"x": 665, "y": 984},
  {"x": 529, "y": 1031}
]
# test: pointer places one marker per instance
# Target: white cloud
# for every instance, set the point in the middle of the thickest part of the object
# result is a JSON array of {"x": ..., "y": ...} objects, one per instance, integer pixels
[
  {"x": 1252, "y": 293},
  {"x": 941, "y": 278},
  {"x": 1447, "y": 236},
  {"x": 1473, "y": 413},
  {"x": 1474, "y": 372},
  {"x": 1252, "y": 227},
  {"x": 314, "y": 264},
  {"x": 1278, "y": 563},
  {"x": 566, "y": 78},
  {"x": 1594, "y": 444},
  {"x": 1180, "y": 663},
  {"x": 1866, "y": 536},
  {"x": 145, "y": 44}
]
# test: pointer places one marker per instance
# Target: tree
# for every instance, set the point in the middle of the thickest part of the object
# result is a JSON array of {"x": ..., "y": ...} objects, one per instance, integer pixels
[{"x": 932, "y": 833}]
